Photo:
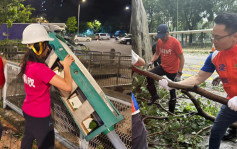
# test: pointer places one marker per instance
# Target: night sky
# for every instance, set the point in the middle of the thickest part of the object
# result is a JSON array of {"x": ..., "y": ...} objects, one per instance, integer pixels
[{"x": 106, "y": 11}]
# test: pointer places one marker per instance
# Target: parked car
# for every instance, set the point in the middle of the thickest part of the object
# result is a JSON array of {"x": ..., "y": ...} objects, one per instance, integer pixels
[
  {"x": 102, "y": 36},
  {"x": 75, "y": 46},
  {"x": 120, "y": 33},
  {"x": 81, "y": 38},
  {"x": 119, "y": 37},
  {"x": 126, "y": 40}
]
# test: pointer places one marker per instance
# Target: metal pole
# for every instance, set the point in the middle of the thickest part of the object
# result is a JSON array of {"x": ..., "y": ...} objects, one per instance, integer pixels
[
  {"x": 115, "y": 140},
  {"x": 78, "y": 17},
  {"x": 177, "y": 15}
]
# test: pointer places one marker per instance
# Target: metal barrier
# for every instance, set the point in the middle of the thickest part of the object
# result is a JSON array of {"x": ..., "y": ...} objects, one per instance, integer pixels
[
  {"x": 108, "y": 68},
  {"x": 66, "y": 131}
]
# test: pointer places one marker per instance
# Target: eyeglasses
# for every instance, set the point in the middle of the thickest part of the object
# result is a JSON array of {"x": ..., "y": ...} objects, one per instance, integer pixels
[{"x": 218, "y": 38}]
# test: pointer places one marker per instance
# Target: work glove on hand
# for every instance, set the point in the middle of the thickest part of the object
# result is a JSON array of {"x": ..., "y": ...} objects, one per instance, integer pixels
[
  {"x": 232, "y": 103},
  {"x": 216, "y": 81},
  {"x": 164, "y": 83},
  {"x": 178, "y": 77}
]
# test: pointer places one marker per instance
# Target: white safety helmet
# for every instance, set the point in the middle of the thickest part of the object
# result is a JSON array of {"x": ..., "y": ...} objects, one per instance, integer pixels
[{"x": 34, "y": 33}]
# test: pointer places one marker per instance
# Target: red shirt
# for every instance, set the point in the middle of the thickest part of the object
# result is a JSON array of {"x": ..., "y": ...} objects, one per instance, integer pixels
[{"x": 169, "y": 51}]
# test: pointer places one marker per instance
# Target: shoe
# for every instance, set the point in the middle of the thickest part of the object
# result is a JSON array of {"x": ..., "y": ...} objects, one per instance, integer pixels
[
  {"x": 153, "y": 99},
  {"x": 230, "y": 134}
]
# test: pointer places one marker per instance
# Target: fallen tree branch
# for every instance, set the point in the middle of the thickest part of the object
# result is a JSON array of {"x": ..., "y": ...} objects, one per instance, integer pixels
[
  {"x": 203, "y": 129},
  {"x": 201, "y": 112},
  {"x": 186, "y": 88},
  {"x": 195, "y": 88},
  {"x": 167, "y": 111},
  {"x": 166, "y": 117}
]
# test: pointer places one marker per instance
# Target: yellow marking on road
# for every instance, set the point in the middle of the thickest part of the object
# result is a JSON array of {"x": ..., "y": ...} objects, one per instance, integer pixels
[
  {"x": 202, "y": 63},
  {"x": 189, "y": 75},
  {"x": 191, "y": 69},
  {"x": 196, "y": 66}
]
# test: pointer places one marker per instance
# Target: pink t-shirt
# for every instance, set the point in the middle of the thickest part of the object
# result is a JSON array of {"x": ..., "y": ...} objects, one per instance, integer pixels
[{"x": 36, "y": 80}]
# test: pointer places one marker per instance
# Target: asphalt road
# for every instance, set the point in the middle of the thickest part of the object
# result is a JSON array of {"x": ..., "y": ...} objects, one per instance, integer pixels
[{"x": 193, "y": 63}]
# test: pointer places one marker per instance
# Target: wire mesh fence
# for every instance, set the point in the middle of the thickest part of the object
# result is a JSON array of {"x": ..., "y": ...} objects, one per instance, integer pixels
[{"x": 108, "y": 68}]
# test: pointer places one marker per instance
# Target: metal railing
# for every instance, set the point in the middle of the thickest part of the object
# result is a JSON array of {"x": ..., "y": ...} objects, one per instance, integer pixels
[{"x": 107, "y": 68}]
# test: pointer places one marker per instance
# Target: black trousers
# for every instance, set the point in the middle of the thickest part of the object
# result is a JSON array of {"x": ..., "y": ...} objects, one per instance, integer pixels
[
  {"x": 41, "y": 129},
  {"x": 152, "y": 89},
  {"x": 1, "y": 128},
  {"x": 160, "y": 71},
  {"x": 139, "y": 134}
]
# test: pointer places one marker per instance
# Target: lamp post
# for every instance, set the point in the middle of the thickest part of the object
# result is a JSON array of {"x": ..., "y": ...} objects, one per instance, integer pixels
[
  {"x": 78, "y": 15},
  {"x": 177, "y": 15}
]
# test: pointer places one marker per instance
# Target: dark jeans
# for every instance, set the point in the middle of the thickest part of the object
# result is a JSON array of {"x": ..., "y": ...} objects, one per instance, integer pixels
[
  {"x": 160, "y": 71},
  {"x": 139, "y": 134},
  {"x": 152, "y": 89},
  {"x": 41, "y": 129},
  {"x": 1, "y": 128},
  {"x": 224, "y": 119}
]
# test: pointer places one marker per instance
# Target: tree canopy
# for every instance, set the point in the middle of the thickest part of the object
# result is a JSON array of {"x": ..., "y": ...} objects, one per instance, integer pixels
[
  {"x": 14, "y": 11},
  {"x": 71, "y": 24},
  {"x": 187, "y": 14},
  {"x": 94, "y": 25}
]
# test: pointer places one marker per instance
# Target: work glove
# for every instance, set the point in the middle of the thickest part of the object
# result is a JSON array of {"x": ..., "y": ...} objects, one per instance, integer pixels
[
  {"x": 178, "y": 77},
  {"x": 164, "y": 83},
  {"x": 216, "y": 81},
  {"x": 232, "y": 103}
]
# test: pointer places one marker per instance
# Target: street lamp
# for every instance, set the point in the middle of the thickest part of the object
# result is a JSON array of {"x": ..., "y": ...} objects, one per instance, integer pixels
[
  {"x": 177, "y": 15},
  {"x": 78, "y": 16},
  {"x": 127, "y": 8}
]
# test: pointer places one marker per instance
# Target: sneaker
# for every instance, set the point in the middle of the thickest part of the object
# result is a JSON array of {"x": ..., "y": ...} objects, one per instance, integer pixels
[
  {"x": 153, "y": 99},
  {"x": 230, "y": 134}
]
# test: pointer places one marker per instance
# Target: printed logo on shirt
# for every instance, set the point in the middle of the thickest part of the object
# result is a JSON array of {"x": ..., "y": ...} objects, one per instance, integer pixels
[
  {"x": 28, "y": 81},
  {"x": 235, "y": 65},
  {"x": 164, "y": 51},
  {"x": 224, "y": 80},
  {"x": 222, "y": 67}
]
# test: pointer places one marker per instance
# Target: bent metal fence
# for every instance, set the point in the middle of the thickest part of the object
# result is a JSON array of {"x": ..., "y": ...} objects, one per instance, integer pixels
[{"x": 66, "y": 131}]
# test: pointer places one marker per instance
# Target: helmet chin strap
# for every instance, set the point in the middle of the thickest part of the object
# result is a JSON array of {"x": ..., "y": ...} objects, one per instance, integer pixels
[{"x": 40, "y": 51}]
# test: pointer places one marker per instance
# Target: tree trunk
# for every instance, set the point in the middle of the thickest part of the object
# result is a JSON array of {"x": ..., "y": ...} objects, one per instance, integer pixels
[{"x": 141, "y": 43}]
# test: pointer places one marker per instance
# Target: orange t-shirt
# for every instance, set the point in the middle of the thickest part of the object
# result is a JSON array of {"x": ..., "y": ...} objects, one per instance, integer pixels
[{"x": 169, "y": 51}]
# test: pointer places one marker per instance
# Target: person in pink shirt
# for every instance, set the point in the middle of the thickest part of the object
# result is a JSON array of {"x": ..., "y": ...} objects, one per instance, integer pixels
[
  {"x": 38, "y": 78},
  {"x": 2, "y": 82}
]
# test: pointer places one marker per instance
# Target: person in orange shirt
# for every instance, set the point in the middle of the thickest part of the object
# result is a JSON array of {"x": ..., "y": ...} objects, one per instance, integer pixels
[
  {"x": 224, "y": 61},
  {"x": 172, "y": 62}
]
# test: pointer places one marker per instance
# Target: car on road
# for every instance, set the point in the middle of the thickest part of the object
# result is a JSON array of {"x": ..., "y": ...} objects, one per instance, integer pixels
[
  {"x": 102, "y": 36},
  {"x": 81, "y": 38},
  {"x": 126, "y": 40},
  {"x": 75, "y": 46}
]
